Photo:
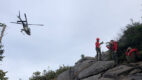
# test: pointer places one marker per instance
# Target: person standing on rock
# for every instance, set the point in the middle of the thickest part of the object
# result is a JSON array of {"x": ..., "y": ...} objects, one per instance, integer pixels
[
  {"x": 98, "y": 50},
  {"x": 113, "y": 48},
  {"x": 132, "y": 54}
]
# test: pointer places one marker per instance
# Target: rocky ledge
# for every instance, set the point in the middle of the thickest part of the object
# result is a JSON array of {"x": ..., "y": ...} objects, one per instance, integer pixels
[{"x": 90, "y": 69}]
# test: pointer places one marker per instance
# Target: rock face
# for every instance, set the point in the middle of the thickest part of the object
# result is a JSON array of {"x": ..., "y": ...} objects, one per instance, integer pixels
[
  {"x": 96, "y": 68},
  {"x": 90, "y": 69},
  {"x": 106, "y": 56},
  {"x": 80, "y": 65},
  {"x": 137, "y": 76},
  {"x": 64, "y": 76},
  {"x": 95, "y": 77},
  {"x": 83, "y": 64},
  {"x": 117, "y": 71}
]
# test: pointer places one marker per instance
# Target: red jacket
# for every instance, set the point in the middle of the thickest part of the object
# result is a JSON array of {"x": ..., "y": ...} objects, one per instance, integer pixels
[
  {"x": 113, "y": 47},
  {"x": 131, "y": 51},
  {"x": 98, "y": 44},
  {"x": 108, "y": 46}
]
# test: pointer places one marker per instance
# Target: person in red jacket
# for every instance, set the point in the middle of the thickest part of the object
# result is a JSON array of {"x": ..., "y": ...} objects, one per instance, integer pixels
[
  {"x": 132, "y": 54},
  {"x": 98, "y": 50},
  {"x": 113, "y": 49}
]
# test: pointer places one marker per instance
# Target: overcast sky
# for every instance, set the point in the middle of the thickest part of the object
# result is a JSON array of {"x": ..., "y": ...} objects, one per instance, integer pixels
[{"x": 71, "y": 28}]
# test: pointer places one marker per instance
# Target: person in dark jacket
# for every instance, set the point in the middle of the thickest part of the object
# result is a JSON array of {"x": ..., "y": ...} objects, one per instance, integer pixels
[
  {"x": 132, "y": 54},
  {"x": 98, "y": 50}
]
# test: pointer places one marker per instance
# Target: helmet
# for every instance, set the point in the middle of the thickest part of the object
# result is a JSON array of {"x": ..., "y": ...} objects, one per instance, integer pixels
[
  {"x": 97, "y": 39},
  {"x": 111, "y": 40},
  {"x": 129, "y": 48}
]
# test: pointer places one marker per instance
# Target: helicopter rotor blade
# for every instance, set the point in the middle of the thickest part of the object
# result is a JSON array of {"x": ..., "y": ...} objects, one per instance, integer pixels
[
  {"x": 15, "y": 22},
  {"x": 37, "y": 24},
  {"x": 26, "y": 18},
  {"x": 19, "y": 14}
]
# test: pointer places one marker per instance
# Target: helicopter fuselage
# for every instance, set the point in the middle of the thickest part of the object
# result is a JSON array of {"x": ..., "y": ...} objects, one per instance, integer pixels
[{"x": 26, "y": 29}]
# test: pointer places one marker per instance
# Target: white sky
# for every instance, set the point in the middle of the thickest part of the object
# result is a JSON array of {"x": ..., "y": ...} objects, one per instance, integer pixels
[{"x": 71, "y": 28}]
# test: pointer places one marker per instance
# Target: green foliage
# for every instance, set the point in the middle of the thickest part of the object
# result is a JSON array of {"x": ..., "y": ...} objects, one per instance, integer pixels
[
  {"x": 48, "y": 75},
  {"x": 1, "y": 53},
  {"x": 132, "y": 36},
  {"x": 2, "y": 75},
  {"x": 62, "y": 69}
]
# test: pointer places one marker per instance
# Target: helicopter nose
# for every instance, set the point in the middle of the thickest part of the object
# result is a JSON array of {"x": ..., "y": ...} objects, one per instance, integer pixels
[{"x": 29, "y": 33}]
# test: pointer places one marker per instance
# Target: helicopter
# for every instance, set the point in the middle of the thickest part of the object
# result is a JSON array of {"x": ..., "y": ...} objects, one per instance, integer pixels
[{"x": 25, "y": 24}]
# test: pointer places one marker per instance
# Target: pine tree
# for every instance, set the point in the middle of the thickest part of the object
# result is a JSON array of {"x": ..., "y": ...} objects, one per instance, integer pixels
[{"x": 2, "y": 73}]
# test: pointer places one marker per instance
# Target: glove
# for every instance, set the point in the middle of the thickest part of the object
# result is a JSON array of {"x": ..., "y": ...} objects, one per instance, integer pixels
[{"x": 102, "y": 42}]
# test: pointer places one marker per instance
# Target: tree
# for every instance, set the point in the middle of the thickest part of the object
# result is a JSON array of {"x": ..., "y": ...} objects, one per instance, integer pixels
[
  {"x": 2, "y": 73},
  {"x": 131, "y": 38},
  {"x": 48, "y": 75},
  {"x": 3, "y": 27}
]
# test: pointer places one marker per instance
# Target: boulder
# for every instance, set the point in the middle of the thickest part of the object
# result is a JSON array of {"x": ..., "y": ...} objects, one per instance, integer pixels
[
  {"x": 138, "y": 64},
  {"x": 137, "y": 76},
  {"x": 96, "y": 68},
  {"x": 117, "y": 71},
  {"x": 84, "y": 59},
  {"x": 79, "y": 67},
  {"x": 65, "y": 75},
  {"x": 106, "y": 56},
  {"x": 83, "y": 64},
  {"x": 106, "y": 79},
  {"x": 135, "y": 71},
  {"x": 88, "y": 68},
  {"x": 95, "y": 77}
]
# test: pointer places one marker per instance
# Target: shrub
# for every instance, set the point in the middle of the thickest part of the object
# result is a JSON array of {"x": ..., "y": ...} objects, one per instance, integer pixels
[
  {"x": 2, "y": 75},
  {"x": 132, "y": 36},
  {"x": 49, "y": 75}
]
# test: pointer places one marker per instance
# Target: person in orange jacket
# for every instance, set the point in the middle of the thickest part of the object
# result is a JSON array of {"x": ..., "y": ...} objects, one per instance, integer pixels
[
  {"x": 132, "y": 54},
  {"x": 98, "y": 49},
  {"x": 113, "y": 48}
]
